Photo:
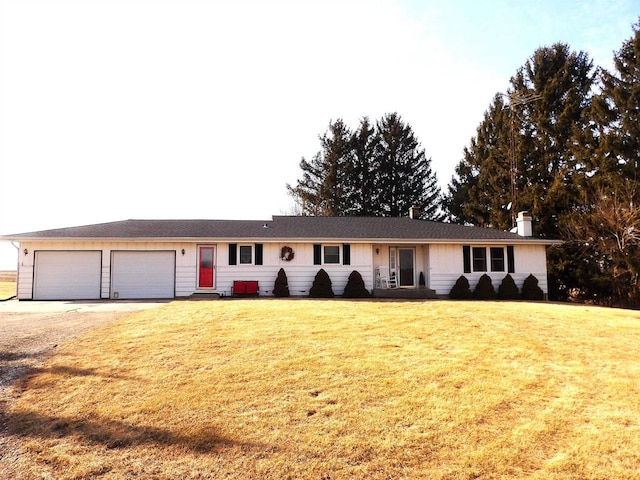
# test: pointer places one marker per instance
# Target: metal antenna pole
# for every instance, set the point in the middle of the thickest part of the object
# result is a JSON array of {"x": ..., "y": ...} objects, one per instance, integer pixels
[{"x": 515, "y": 99}]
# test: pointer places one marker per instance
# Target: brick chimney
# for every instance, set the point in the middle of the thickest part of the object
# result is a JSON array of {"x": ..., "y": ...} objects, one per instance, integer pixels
[
  {"x": 414, "y": 212},
  {"x": 524, "y": 222}
]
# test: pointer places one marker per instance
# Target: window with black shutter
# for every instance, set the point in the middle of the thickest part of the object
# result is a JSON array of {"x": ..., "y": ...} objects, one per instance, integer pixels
[
  {"x": 466, "y": 254},
  {"x": 346, "y": 254},
  {"x": 511, "y": 264},
  {"x": 259, "y": 249},
  {"x": 233, "y": 254}
]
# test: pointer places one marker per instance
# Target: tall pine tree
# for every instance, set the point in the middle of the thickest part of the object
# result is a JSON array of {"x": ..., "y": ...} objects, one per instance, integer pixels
[
  {"x": 405, "y": 175},
  {"x": 375, "y": 171},
  {"x": 479, "y": 192},
  {"x": 322, "y": 188},
  {"x": 524, "y": 156},
  {"x": 602, "y": 232},
  {"x": 362, "y": 191}
]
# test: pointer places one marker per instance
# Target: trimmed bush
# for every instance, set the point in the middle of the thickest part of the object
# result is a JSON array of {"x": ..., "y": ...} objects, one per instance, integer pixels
[
  {"x": 421, "y": 281},
  {"x": 508, "y": 290},
  {"x": 321, "y": 287},
  {"x": 484, "y": 289},
  {"x": 531, "y": 290},
  {"x": 281, "y": 287},
  {"x": 355, "y": 287},
  {"x": 461, "y": 290}
]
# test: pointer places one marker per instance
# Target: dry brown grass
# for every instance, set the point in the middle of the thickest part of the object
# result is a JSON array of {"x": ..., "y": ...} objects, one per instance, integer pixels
[
  {"x": 338, "y": 389},
  {"x": 7, "y": 290}
]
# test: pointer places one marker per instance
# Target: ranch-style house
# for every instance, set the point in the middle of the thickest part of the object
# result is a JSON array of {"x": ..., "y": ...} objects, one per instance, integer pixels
[{"x": 154, "y": 259}]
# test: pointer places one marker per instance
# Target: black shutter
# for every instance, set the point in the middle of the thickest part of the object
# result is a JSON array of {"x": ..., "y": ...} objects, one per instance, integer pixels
[
  {"x": 511, "y": 263},
  {"x": 258, "y": 254},
  {"x": 466, "y": 253},
  {"x": 233, "y": 254},
  {"x": 346, "y": 254},
  {"x": 317, "y": 254}
]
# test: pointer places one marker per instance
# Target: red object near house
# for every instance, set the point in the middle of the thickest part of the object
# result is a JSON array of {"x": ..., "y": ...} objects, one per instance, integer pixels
[
  {"x": 245, "y": 287},
  {"x": 205, "y": 274}
]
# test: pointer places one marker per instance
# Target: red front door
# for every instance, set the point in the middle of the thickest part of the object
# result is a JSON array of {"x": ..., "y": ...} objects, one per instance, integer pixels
[{"x": 205, "y": 274}]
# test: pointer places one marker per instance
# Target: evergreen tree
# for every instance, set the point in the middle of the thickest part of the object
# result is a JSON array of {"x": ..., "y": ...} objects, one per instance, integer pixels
[
  {"x": 553, "y": 129},
  {"x": 603, "y": 230},
  {"x": 381, "y": 171},
  {"x": 321, "y": 191},
  {"x": 616, "y": 115},
  {"x": 362, "y": 190},
  {"x": 525, "y": 153},
  {"x": 479, "y": 192},
  {"x": 405, "y": 175}
]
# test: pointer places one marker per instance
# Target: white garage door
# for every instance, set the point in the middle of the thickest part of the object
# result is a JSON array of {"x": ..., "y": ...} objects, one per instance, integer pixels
[
  {"x": 148, "y": 274},
  {"x": 67, "y": 275}
]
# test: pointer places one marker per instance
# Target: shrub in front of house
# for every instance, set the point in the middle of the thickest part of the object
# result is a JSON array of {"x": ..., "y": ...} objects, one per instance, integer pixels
[
  {"x": 321, "y": 287},
  {"x": 531, "y": 290},
  {"x": 508, "y": 290},
  {"x": 484, "y": 289},
  {"x": 355, "y": 287},
  {"x": 461, "y": 290},
  {"x": 281, "y": 287}
]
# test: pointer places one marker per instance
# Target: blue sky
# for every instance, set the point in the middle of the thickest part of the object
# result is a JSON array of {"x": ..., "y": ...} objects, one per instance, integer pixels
[{"x": 115, "y": 109}]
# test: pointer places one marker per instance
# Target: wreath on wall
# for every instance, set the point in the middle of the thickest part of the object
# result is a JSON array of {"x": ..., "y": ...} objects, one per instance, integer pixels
[{"x": 287, "y": 254}]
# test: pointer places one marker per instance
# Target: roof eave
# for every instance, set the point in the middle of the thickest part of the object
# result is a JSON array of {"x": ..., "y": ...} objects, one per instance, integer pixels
[{"x": 438, "y": 241}]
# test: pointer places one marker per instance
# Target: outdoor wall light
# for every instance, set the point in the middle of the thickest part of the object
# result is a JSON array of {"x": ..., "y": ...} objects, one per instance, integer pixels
[
  {"x": 26, "y": 252},
  {"x": 183, "y": 251},
  {"x": 377, "y": 251}
]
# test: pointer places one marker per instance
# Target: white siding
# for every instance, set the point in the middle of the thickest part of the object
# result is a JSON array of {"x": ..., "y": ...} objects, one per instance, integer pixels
[
  {"x": 442, "y": 264},
  {"x": 185, "y": 264},
  {"x": 446, "y": 262},
  {"x": 300, "y": 271}
]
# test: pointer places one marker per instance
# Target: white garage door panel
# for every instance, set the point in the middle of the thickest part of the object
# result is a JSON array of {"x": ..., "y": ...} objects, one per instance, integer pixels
[
  {"x": 143, "y": 274},
  {"x": 67, "y": 275}
]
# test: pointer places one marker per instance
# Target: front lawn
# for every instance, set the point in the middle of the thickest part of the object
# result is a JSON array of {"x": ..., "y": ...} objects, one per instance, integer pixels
[{"x": 340, "y": 389}]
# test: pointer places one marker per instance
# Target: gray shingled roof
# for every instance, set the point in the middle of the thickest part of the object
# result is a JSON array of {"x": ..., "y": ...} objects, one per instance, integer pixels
[{"x": 280, "y": 227}]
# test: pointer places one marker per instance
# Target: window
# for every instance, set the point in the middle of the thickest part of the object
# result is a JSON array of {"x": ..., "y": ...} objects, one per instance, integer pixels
[
  {"x": 497, "y": 259},
  {"x": 331, "y": 254},
  {"x": 479, "y": 259},
  {"x": 245, "y": 255}
]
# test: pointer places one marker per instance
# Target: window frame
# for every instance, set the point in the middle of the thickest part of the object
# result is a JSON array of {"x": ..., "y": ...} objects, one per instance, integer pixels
[
  {"x": 482, "y": 258},
  {"x": 338, "y": 255},
  {"x": 494, "y": 259},
  {"x": 344, "y": 253},
  {"x": 240, "y": 247}
]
